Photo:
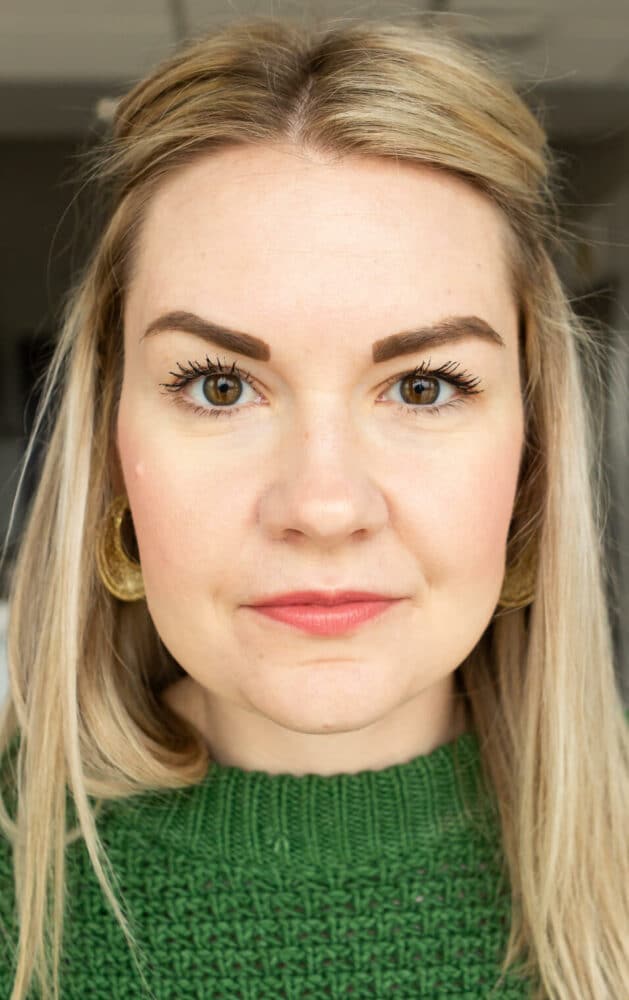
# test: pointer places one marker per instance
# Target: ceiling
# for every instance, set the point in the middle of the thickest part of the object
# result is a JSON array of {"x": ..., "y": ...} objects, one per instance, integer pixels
[{"x": 59, "y": 57}]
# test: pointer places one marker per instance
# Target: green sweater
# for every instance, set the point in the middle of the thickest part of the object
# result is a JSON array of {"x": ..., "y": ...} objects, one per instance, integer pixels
[{"x": 252, "y": 886}]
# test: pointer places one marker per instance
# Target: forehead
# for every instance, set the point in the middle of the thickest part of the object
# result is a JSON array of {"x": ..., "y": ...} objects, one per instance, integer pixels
[{"x": 275, "y": 232}]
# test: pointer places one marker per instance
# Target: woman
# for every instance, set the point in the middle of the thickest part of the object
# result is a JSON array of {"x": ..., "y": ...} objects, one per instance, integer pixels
[{"x": 341, "y": 239}]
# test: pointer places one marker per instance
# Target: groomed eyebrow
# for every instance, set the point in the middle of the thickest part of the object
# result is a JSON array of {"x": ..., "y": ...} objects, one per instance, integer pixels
[{"x": 445, "y": 331}]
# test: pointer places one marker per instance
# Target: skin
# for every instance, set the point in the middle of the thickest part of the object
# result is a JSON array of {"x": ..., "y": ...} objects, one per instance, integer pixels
[{"x": 322, "y": 486}]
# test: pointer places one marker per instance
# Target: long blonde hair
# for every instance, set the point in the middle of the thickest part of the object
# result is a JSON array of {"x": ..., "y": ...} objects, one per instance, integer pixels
[{"x": 540, "y": 687}]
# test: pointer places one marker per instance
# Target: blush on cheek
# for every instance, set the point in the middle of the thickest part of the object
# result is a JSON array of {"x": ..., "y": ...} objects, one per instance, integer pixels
[
  {"x": 483, "y": 507},
  {"x": 149, "y": 507},
  {"x": 161, "y": 531},
  {"x": 173, "y": 522}
]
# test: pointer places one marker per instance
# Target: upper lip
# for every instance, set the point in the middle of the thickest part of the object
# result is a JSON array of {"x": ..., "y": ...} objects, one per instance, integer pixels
[{"x": 327, "y": 597}]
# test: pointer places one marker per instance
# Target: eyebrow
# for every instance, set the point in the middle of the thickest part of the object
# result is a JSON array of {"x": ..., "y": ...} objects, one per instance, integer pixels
[{"x": 445, "y": 331}]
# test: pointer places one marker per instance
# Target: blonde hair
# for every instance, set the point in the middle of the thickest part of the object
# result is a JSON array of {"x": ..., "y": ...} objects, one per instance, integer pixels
[{"x": 540, "y": 686}]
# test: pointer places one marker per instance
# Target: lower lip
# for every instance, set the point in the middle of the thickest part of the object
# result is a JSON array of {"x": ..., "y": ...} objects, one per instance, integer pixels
[{"x": 320, "y": 619}]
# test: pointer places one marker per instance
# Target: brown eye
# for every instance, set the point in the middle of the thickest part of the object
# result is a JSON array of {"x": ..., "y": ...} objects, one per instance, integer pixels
[
  {"x": 417, "y": 390},
  {"x": 221, "y": 388}
]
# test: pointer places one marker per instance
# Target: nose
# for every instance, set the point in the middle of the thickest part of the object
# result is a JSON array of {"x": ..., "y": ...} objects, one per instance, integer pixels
[{"x": 323, "y": 489}]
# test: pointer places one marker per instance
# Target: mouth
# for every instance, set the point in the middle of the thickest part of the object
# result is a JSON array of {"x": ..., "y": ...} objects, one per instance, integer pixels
[{"x": 326, "y": 619}]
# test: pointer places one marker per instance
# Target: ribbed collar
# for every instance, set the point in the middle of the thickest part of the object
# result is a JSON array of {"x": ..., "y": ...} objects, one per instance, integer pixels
[{"x": 235, "y": 813}]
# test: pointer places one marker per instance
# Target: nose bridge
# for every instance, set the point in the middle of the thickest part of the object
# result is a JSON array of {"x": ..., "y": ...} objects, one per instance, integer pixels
[
  {"x": 324, "y": 435},
  {"x": 323, "y": 487}
]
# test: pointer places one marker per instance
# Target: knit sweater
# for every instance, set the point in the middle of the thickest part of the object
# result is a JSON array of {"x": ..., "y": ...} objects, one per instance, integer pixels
[{"x": 253, "y": 886}]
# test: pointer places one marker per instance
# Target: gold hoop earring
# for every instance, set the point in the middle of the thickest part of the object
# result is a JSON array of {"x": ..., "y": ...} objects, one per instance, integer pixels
[{"x": 121, "y": 575}]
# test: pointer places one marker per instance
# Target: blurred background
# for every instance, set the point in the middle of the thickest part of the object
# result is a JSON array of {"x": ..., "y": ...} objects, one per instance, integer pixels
[{"x": 62, "y": 62}]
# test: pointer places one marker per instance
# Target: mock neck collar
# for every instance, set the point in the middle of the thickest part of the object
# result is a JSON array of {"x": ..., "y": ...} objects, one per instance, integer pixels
[{"x": 317, "y": 819}]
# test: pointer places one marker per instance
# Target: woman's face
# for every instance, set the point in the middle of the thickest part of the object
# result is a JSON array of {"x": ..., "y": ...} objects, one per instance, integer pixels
[{"x": 317, "y": 464}]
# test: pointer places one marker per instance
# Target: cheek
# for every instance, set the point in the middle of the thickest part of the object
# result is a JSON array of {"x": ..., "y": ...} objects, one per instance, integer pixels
[
  {"x": 462, "y": 509},
  {"x": 484, "y": 505},
  {"x": 177, "y": 501}
]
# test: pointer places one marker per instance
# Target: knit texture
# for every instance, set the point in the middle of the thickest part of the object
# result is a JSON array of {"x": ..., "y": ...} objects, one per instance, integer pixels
[{"x": 249, "y": 885}]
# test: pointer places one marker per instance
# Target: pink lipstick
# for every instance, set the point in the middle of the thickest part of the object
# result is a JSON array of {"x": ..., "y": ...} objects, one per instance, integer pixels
[{"x": 325, "y": 619}]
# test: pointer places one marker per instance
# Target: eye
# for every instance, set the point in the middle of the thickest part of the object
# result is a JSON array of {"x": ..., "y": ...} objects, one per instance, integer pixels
[
  {"x": 222, "y": 390},
  {"x": 214, "y": 384},
  {"x": 422, "y": 392},
  {"x": 220, "y": 386}
]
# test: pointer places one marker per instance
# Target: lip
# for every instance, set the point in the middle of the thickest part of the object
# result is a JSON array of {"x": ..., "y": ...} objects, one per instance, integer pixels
[
  {"x": 321, "y": 619},
  {"x": 327, "y": 598}
]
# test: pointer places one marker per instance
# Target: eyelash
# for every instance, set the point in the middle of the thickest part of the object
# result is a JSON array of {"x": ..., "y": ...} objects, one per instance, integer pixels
[{"x": 463, "y": 381}]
